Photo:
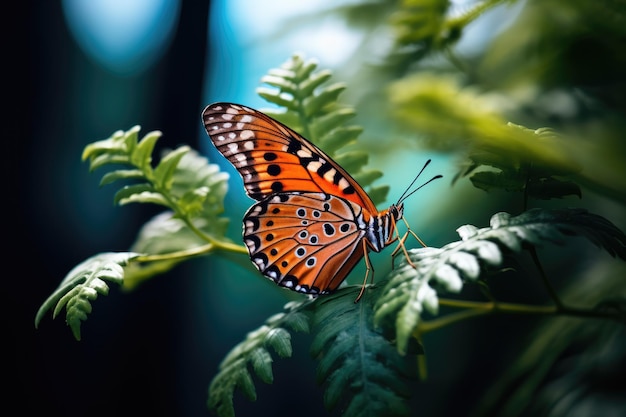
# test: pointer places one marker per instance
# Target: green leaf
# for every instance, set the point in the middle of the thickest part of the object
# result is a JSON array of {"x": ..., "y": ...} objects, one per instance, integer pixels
[
  {"x": 130, "y": 190},
  {"x": 108, "y": 159},
  {"x": 307, "y": 87},
  {"x": 274, "y": 97},
  {"x": 352, "y": 160},
  {"x": 82, "y": 285},
  {"x": 141, "y": 156},
  {"x": 164, "y": 172},
  {"x": 281, "y": 83},
  {"x": 331, "y": 120},
  {"x": 119, "y": 143},
  {"x": 411, "y": 290},
  {"x": 326, "y": 97},
  {"x": 121, "y": 174},
  {"x": 363, "y": 372},
  {"x": 339, "y": 137},
  {"x": 253, "y": 351}
]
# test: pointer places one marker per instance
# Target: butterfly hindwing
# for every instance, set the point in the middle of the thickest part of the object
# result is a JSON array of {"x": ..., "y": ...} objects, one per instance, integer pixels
[
  {"x": 308, "y": 242},
  {"x": 273, "y": 158}
]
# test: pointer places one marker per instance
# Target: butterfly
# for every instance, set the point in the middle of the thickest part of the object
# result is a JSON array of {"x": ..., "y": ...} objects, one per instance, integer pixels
[{"x": 312, "y": 222}]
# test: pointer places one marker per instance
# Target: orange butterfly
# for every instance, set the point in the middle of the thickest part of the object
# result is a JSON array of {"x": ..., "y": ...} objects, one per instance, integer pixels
[{"x": 313, "y": 222}]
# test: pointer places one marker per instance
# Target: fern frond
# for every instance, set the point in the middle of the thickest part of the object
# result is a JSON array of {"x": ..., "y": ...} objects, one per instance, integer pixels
[
  {"x": 311, "y": 108},
  {"x": 411, "y": 291},
  {"x": 82, "y": 285},
  {"x": 362, "y": 370},
  {"x": 183, "y": 181},
  {"x": 180, "y": 189},
  {"x": 234, "y": 372}
]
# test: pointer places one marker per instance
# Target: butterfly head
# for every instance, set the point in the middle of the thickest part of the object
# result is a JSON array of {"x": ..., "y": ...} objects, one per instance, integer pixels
[{"x": 397, "y": 211}]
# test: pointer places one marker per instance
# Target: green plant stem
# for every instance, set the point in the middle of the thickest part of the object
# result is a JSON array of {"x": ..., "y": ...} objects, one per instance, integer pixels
[
  {"x": 475, "y": 309},
  {"x": 197, "y": 251}
]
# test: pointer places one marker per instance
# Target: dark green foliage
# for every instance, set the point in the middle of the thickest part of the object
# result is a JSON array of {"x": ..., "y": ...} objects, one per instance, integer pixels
[
  {"x": 363, "y": 373},
  {"x": 254, "y": 352},
  {"x": 82, "y": 285},
  {"x": 410, "y": 291},
  {"x": 182, "y": 181}
]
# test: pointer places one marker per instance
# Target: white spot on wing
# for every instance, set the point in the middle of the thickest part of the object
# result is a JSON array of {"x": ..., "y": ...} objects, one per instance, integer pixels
[
  {"x": 246, "y": 134},
  {"x": 314, "y": 166},
  {"x": 330, "y": 175}
]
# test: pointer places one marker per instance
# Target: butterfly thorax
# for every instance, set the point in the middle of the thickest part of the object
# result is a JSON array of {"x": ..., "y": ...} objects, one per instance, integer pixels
[{"x": 380, "y": 227}]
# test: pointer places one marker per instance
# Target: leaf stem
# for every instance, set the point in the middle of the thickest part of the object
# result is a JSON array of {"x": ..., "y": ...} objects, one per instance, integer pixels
[
  {"x": 475, "y": 309},
  {"x": 197, "y": 251}
]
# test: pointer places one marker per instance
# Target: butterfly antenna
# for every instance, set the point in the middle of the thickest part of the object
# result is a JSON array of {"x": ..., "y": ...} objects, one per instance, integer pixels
[
  {"x": 404, "y": 196},
  {"x": 436, "y": 177}
]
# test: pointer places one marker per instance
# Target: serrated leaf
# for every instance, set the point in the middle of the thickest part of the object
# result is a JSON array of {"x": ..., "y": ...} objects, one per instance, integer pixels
[
  {"x": 409, "y": 291},
  {"x": 339, "y": 137},
  {"x": 82, "y": 285},
  {"x": 280, "y": 340},
  {"x": 358, "y": 365},
  {"x": 275, "y": 97},
  {"x": 378, "y": 194},
  {"x": 281, "y": 83},
  {"x": 141, "y": 156},
  {"x": 365, "y": 178},
  {"x": 121, "y": 174},
  {"x": 146, "y": 197},
  {"x": 327, "y": 96},
  {"x": 261, "y": 362},
  {"x": 164, "y": 172},
  {"x": 108, "y": 159},
  {"x": 352, "y": 160},
  {"x": 134, "y": 189},
  {"x": 308, "y": 86},
  {"x": 331, "y": 120},
  {"x": 119, "y": 143},
  {"x": 233, "y": 371}
]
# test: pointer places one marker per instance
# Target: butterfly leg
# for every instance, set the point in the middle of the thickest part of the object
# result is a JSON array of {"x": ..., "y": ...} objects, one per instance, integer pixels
[
  {"x": 401, "y": 240},
  {"x": 402, "y": 246},
  {"x": 368, "y": 268}
]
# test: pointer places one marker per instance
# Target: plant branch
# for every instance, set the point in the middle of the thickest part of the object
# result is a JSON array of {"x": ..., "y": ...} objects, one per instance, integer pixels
[{"x": 474, "y": 309}]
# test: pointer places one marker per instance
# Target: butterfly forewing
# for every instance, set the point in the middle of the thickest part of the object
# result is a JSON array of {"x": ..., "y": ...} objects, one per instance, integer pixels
[
  {"x": 272, "y": 158},
  {"x": 308, "y": 242}
]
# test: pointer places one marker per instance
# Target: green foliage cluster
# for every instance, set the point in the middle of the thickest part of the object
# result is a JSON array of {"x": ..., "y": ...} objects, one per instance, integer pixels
[{"x": 368, "y": 352}]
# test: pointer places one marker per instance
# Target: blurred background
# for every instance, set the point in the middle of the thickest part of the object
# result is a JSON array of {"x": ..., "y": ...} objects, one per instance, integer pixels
[{"x": 80, "y": 70}]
